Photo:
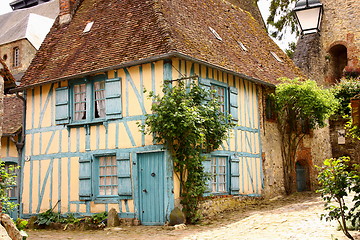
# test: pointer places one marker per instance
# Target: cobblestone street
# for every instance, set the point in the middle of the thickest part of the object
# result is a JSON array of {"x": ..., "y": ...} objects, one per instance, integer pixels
[{"x": 294, "y": 217}]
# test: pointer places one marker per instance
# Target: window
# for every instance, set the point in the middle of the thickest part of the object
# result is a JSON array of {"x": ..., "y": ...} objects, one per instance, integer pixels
[
  {"x": 92, "y": 99},
  {"x": 16, "y": 57},
  {"x": 227, "y": 96},
  {"x": 219, "y": 174},
  {"x": 89, "y": 110},
  {"x": 11, "y": 168},
  {"x": 220, "y": 95},
  {"x": 107, "y": 177},
  {"x": 270, "y": 112},
  {"x": 224, "y": 174}
]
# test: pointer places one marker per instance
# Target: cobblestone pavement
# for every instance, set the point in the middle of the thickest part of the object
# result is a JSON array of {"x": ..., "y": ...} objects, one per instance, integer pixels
[{"x": 294, "y": 217}]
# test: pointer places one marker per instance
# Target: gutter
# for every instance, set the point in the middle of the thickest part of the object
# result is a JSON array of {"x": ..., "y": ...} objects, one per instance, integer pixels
[{"x": 147, "y": 60}]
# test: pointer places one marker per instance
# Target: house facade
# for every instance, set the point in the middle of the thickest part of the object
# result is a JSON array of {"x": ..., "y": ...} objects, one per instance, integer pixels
[{"x": 84, "y": 91}]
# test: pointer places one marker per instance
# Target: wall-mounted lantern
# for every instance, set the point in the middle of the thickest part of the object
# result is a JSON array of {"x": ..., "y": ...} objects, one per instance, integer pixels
[{"x": 309, "y": 14}]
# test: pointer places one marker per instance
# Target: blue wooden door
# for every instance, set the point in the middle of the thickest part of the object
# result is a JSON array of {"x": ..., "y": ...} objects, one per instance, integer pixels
[
  {"x": 300, "y": 177},
  {"x": 151, "y": 188}
]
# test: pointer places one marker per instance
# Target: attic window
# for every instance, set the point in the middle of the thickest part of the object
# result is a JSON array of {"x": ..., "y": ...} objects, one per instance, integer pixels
[
  {"x": 242, "y": 46},
  {"x": 276, "y": 56},
  {"x": 215, "y": 34},
  {"x": 88, "y": 27}
]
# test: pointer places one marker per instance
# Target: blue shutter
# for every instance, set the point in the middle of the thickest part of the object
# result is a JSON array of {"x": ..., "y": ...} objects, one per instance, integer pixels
[
  {"x": 234, "y": 169},
  {"x": 124, "y": 175},
  {"x": 62, "y": 106},
  {"x": 233, "y": 96},
  {"x": 85, "y": 175},
  {"x": 207, "y": 170},
  {"x": 113, "y": 98}
]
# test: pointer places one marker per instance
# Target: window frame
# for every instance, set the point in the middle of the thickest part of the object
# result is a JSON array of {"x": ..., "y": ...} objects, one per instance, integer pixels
[
  {"x": 16, "y": 57},
  {"x": 90, "y": 99},
  {"x": 227, "y": 175},
  {"x": 15, "y": 188},
  {"x": 225, "y": 87},
  {"x": 96, "y": 177}
]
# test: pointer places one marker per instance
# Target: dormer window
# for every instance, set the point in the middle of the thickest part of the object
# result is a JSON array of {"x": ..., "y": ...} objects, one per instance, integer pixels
[{"x": 16, "y": 57}]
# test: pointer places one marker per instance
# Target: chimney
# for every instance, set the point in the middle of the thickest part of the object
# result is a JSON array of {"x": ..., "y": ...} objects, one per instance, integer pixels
[{"x": 66, "y": 10}]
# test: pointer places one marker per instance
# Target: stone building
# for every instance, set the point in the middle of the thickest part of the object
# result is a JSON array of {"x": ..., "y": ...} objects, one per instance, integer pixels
[
  {"x": 325, "y": 57},
  {"x": 22, "y": 32}
]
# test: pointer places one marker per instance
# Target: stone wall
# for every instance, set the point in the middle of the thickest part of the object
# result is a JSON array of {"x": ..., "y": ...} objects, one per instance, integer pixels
[
  {"x": 316, "y": 56},
  {"x": 351, "y": 147}
]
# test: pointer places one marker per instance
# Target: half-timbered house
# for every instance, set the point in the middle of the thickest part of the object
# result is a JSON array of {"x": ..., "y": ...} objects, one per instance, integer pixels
[{"x": 84, "y": 94}]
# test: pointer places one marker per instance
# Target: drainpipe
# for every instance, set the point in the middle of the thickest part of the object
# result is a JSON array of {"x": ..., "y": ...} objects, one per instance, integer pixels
[{"x": 20, "y": 146}]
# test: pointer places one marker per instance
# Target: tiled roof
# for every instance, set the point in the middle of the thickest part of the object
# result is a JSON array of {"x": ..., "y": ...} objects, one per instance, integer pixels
[
  {"x": 30, "y": 23},
  {"x": 126, "y": 31},
  {"x": 13, "y": 108}
]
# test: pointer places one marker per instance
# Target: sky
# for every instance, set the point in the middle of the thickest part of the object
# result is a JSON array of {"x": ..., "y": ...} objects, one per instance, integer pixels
[
  {"x": 4, "y": 6},
  {"x": 263, "y": 6}
]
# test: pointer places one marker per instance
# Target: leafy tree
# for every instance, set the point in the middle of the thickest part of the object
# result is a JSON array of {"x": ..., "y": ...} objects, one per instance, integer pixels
[
  {"x": 7, "y": 181},
  {"x": 189, "y": 122},
  {"x": 282, "y": 18},
  {"x": 336, "y": 180},
  {"x": 301, "y": 106}
]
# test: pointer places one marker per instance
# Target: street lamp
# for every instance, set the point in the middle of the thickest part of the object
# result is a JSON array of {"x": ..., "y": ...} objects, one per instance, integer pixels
[{"x": 308, "y": 14}]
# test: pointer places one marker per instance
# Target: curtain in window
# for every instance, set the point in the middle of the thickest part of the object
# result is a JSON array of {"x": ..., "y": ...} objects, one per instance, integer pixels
[
  {"x": 80, "y": 101},
  {"x": 99, "y": 88}
]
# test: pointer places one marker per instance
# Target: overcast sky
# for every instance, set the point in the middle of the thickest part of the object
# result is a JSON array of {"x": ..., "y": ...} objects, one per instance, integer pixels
[
  {"x": 263, "y": 5},
  {"x": 4, "y": 6}
]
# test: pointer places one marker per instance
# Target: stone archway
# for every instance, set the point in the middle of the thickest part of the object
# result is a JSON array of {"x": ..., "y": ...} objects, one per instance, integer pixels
[{"x": 338, "y": 60}]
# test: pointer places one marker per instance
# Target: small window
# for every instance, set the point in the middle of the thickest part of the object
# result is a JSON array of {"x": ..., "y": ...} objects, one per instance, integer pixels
[
  {"x": 270, "y": 109},
  {"x": 242, "y": 46},
  {"x": 108, "y": 179},
  {"x": 219, "y": 175},
  {"x": 220, "y": 94},
  {"x": 11, "y": 169},
  {"x": 16, "y": 57},
  {"x": 277, "y": 58},
  {"x": 215, "y": 34},
  {"x": 95, "y": 107}
]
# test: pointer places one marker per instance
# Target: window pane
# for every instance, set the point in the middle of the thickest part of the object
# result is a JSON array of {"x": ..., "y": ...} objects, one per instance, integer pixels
[
  {"x": 79, "y": 102},
  {"x": 108, "y": 181},
  {"x": 220, "y": 95},
  {"x": 219, "y": 172},
  {"x": 99, "y": 89}
]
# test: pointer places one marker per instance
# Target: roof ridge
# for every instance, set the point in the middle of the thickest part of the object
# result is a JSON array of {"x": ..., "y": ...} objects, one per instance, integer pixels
[{"x": 163, "y": 25}]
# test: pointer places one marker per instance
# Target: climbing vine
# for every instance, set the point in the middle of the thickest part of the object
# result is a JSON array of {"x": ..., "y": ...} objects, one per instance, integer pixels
[{"x": 189, "y": 122}]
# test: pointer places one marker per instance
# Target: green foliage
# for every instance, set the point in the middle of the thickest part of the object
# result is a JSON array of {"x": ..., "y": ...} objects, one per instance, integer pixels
[
  {"x": 301, "y": 106},
  {"x": 305, "y": 100},
  {"x": 21, "y": 224},
  {"x": 290, "y": 50},
  {"x": 48, "y": 217},
  {"x": 281, "y": 18},
  {"x": 188, "y": 121},
  {"x": 337, "y": 179},
  {"x": 8, "y": 177},
  {"x": 346, "y": 89},
  {"x": 98, "y": 218}
]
